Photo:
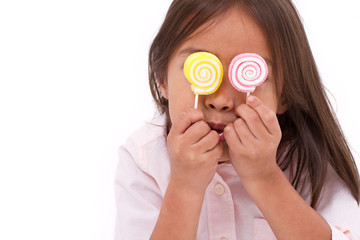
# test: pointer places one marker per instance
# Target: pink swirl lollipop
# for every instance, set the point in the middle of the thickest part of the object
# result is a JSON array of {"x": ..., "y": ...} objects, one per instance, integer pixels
[{"x": 247, "y": 71}]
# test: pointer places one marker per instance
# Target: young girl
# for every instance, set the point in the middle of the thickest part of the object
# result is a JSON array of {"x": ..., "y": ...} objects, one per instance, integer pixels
[{"x": 274, "y": 165}]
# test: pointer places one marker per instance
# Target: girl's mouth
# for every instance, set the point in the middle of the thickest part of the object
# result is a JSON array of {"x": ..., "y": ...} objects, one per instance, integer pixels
[{"x": 219, "y": 128}]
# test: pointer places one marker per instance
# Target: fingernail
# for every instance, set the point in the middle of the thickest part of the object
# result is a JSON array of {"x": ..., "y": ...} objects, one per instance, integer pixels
[
  {"x": 227, "y": 128},
  {"x": 251, "y": 99}
]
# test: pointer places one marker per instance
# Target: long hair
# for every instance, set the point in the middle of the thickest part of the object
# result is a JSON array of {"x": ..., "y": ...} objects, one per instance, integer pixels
[{"x": 311, "y": 135}]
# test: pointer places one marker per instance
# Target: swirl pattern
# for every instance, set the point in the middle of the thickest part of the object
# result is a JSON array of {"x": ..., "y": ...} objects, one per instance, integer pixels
[
  {"x": 204, "y": 71},
  {"x": 247, "y": 71}
]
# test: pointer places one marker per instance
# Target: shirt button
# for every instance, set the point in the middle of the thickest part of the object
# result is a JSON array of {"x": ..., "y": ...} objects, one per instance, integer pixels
[{"x": 219, "y": 189}]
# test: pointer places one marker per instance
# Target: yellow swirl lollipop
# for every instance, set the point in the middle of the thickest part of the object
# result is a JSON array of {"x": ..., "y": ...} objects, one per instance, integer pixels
[{"x": 205, "y": 72}]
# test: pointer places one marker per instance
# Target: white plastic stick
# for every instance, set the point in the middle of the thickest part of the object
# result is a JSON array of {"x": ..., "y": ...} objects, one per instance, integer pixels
[{"x": 196, "y": 101}]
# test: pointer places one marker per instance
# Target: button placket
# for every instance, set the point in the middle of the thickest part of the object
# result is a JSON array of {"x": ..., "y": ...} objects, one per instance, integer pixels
[{"x": 221, "y": 212}]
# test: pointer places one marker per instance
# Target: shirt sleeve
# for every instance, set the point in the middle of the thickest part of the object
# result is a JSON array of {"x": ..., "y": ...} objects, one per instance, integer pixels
[
  {"x": 340, "y": 233},
  {"x": 340, "y": 209},
  {"x": 138, "y": 199}
]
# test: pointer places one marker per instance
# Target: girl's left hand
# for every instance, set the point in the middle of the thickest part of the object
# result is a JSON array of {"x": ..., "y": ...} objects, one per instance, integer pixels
[{"x": 253, "y": 140}]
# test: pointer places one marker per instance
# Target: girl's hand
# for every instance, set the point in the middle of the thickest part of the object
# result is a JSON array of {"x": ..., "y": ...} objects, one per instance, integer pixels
[
  {"x": 194, "y": 150},
  {"x": 253, "y": 140}
]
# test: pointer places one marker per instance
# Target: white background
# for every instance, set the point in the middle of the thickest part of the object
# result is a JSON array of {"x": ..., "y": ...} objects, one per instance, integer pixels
[{"x": 73, "y": 86}]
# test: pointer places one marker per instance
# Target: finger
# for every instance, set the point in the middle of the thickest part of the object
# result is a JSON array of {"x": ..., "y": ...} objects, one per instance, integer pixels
[
  {"x": 215, "y": 153},
  {"x": 231, "y": 137},
  {"x": 196, "y": 132},
  {"x": 268, "y": 117},
  {"x": 243, "y": 132},
  {"x": 208, "y": 142},
  {"x": 185, "y": 120},
  {"x": 252, "y": 119}
]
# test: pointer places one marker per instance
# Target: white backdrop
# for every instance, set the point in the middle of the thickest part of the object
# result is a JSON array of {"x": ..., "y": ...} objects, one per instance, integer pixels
[{"x": 73, "y": 86}]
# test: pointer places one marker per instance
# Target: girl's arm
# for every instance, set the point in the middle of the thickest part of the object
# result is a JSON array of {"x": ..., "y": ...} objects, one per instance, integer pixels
[
  {"x": 287, "y": 213},
  {"x": 179, "y": 214},
  {"x": 194, "y": 150},
  {"x": 253, "y": 140}
]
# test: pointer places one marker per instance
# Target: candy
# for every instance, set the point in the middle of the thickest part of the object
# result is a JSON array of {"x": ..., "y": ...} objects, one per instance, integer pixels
[
  {"x": 247, "y": 71},
  {"x": 205, "y": 72}
]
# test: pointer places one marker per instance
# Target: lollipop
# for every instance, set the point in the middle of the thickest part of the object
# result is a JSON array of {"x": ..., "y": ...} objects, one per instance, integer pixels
[
  {"x": 204, "y": 71},
  {"x": 247, "y": 71}
]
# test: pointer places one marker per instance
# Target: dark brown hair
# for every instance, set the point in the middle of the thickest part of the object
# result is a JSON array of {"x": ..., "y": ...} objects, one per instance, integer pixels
[{"x": 312, "y": 138}]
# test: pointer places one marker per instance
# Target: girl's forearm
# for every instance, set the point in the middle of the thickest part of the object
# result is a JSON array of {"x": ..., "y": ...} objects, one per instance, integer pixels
[
  {"x": 179, "y": 214},
  {"x": 288, "y": 215}
]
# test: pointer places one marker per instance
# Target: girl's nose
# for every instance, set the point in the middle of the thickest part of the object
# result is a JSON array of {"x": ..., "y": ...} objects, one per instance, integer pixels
[{"x": 223, "y": 100}]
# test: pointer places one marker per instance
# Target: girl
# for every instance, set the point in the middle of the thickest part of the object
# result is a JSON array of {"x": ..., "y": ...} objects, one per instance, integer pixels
[{"x": 273, "y": 165}]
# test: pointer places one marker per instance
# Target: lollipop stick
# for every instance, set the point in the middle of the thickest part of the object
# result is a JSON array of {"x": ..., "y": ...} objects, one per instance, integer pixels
[{"x": 196, "y": 101}]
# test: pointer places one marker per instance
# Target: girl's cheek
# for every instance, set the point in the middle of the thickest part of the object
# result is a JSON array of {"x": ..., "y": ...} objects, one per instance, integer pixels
[{"x": 266, "y": 92}]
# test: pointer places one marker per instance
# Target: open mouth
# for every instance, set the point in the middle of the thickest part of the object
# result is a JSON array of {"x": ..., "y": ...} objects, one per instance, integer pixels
[{"x": 219, "y": 128}]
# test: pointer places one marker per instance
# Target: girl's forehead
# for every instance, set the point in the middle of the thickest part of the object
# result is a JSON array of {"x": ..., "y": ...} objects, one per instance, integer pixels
[{"x": 232, "y": 33}]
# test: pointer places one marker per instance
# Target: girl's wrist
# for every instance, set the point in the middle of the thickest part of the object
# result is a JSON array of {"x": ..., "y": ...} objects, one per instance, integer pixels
[
  {"x": 252, "y": 173},
  {"x": 185, "y": 192},
  {"x": 257, "y": 185}
]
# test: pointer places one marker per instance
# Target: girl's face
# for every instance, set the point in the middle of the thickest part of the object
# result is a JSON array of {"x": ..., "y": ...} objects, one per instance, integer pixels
[{"x": 234, "y": 33}]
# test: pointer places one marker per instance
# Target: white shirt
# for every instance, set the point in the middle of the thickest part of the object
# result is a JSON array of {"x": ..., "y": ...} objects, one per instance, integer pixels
[{"x": 228, "y": 212}]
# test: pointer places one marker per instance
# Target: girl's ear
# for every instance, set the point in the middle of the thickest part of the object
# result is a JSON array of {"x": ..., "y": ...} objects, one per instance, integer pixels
[
  {"x": 163, "y": 89},
  {"x": 282, "y": 107}
]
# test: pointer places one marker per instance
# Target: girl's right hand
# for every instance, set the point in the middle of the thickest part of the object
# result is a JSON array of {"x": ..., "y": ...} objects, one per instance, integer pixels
[{"x": 194, "y": 151}]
